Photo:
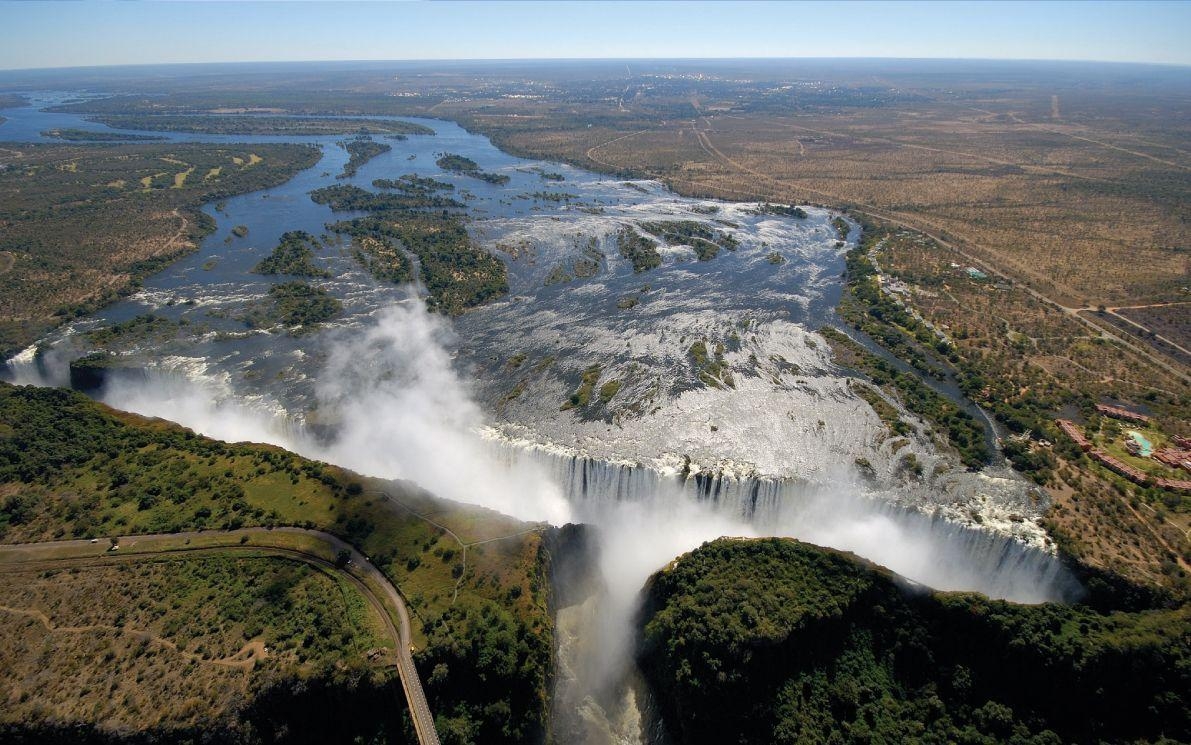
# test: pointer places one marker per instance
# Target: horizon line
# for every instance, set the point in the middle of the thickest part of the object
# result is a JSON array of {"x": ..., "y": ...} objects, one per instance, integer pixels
[{"x": 125, "y": 65}]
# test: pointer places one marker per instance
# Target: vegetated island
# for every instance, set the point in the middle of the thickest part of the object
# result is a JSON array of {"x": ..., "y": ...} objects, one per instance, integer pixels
[
  {"x": 86, "y": 135},
  {"x": 295, "y": 305},
  {"x": 704, "y": 240},
  {"x": 413, "y": 184},
  {"x": 382, "y": 259},
  {"x": 259, "y": 125},
  {"x": 639, "y": 250},
  {"x": 84, "y": 224},
  {"x": 772, "y": 640},
  {"x": 165, "y": 636},
  {"x": 361, "y": 150},
  {"x": 457, "y": 273},
  {"x": 468, "y": 167},
  {"x": 294, "y": 255}
]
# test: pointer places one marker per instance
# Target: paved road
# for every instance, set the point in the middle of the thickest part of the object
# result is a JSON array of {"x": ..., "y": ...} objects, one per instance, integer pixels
[{"x": 372, "y": 583}]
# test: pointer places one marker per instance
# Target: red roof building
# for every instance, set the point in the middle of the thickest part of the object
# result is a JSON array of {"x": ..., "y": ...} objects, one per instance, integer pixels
[{"x": 1117, "y": 412}]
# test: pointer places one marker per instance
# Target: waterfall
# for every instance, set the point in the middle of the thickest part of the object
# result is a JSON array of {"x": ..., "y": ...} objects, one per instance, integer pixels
[{"x": 925, "y": 547}]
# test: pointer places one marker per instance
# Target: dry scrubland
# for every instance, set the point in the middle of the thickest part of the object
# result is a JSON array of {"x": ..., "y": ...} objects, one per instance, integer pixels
[
  {"x": 184, "y": 641},
  {"x": 82, "y": 225}
]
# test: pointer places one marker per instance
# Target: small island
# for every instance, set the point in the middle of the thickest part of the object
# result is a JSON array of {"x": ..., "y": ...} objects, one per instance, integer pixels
[
  {"x": 259, "y": 125},
  {"x": 468, "y": 167},
  {"x": 85, "y": 135},
  {"x": 361, "y": 149},
  {"x": 293, "y": 256}
]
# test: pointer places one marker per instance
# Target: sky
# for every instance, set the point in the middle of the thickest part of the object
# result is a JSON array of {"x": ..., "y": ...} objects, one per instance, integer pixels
[{"x": 86, "y": 32}]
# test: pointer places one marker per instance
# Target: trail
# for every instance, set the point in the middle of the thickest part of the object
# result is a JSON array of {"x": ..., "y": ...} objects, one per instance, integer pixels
[
  {"x": 362, "y": 574},
  {"x": 593, "y": 148},
  {"x": 169, "y": 244}
]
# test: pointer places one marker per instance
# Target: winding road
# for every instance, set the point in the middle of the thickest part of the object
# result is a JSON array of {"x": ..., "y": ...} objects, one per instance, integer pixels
[{"x": 321, "y": 550}]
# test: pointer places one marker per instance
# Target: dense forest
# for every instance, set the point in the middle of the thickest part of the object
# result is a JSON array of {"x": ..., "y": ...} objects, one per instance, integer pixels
[{"x": 772, "y": 640}]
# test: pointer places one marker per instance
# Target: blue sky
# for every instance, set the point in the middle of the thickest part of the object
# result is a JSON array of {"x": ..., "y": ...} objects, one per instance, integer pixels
[{"x": 55, "y": 34}]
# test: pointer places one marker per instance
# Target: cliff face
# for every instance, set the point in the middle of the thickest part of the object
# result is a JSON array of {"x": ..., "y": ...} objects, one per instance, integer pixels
[{"x": 773, "y": 640}]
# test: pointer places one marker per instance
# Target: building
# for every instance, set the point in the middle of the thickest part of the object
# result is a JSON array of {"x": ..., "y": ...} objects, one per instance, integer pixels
[
  {"x": 1135, "y": 475},
  {"x": 1072, "y": 430},
  {"x": 1117, "y": 412},
  {"x": 1173, "y": 484},
  {"x": 1174, "y": 458}
]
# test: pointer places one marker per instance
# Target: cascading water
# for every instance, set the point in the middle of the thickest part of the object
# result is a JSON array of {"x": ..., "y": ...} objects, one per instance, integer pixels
[
  {"x": 926, "y": 548},
  {"x": 646, "y": 516}
]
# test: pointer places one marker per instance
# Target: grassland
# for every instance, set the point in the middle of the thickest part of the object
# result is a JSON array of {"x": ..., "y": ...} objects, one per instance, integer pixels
[
  {"x": 84, "y": 224},
  {"x": 474, "y": 581}
]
